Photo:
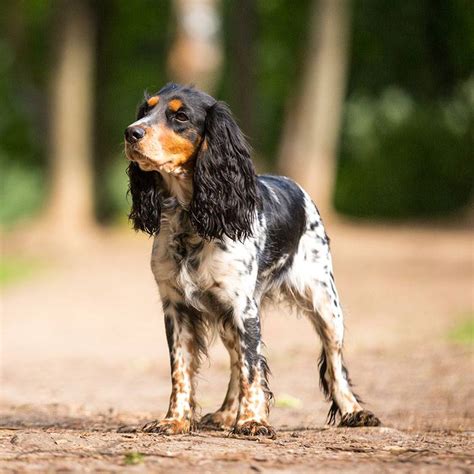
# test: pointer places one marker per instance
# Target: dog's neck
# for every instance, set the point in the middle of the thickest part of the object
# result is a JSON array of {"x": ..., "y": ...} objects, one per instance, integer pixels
[
  {"x": 180, "y": 187},
  {"x": 176, "y": 199}
]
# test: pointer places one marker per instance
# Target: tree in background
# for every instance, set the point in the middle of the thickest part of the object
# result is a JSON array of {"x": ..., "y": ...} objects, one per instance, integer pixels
[
  {"x": 309, "y": 145},
  {"x": 196, "y": 55},
  {"x": 406, "y": 140},
  {"x": 69, "y": 211}
]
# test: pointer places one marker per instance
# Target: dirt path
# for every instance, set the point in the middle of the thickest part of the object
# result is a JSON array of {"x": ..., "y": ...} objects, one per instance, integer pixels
[{"x": 84, "y": 352}]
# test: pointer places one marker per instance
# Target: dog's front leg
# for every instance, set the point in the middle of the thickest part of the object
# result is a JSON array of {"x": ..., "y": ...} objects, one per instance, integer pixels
[
  {"x": 185, "y": 336},
  {"x": 255, "y": 396}
]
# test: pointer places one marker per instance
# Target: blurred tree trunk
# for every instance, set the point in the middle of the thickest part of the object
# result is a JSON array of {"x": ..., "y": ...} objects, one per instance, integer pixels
[
  {"x": 70, "y": 208},
  {"x": 309, "y": 145},
  {"x": 196, "y": 54}
]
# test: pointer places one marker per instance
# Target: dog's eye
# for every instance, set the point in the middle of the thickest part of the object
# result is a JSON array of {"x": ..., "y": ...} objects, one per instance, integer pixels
[{"x": 181, "y": 117}]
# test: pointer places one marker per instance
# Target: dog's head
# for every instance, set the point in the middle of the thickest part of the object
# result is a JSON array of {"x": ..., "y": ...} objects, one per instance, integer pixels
[
  {"x": 169, "y": 130},
  {"x": 185, "y": 134}
]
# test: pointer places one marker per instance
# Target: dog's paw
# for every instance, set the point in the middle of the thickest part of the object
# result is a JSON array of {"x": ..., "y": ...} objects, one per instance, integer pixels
[
  {"x": 359, "y": 418},
  {"x": 218, "y": 420},
  {"x": 168, "y": 426},
  {"x": 254, "y": 428}
]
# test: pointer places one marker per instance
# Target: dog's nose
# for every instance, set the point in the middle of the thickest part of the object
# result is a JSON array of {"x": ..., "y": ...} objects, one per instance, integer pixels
[{"x": 134, "y": 134}]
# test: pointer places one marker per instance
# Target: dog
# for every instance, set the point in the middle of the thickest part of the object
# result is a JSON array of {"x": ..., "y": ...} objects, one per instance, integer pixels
[{"x": 226, "y": 240}]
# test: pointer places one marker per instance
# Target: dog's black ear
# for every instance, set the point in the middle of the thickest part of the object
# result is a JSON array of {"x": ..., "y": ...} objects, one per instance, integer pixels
[
  {"x": 225, "y": 191},
  {"x": 144, "y": 186}
]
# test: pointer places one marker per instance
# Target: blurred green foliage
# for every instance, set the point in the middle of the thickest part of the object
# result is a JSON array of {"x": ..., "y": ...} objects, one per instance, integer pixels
[
  {"x": 281, "y": 33},
  {"x": 408, "y": 133},
  {"x": 134, "y": 38},
  {"x": 21, "y": 192},
  {"x": 13, "y": 270},
  {"x": 23, "y": 90},
  {"x": 404, "y": 158},
  {"x": 408, "y": 123}
]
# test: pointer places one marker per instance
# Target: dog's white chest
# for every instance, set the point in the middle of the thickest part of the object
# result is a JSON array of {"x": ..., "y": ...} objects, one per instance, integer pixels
[
  {"x": 184, "y": 262},
  {"x": 193, "y": 268}
]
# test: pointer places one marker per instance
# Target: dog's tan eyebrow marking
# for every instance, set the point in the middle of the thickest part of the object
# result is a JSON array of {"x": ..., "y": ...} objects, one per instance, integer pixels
[
  {"x": 152, "y": 101},
  {"x": 175, "y": 105}
]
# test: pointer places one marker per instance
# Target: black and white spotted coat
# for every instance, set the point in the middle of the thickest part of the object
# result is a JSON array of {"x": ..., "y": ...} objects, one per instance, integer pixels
[{"x": 222, "y": 284}]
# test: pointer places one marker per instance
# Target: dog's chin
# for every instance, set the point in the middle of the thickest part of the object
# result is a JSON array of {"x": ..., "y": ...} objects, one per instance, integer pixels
[
  {"x": 148, "y": 165},
  {"x": 144, "y": 162}
]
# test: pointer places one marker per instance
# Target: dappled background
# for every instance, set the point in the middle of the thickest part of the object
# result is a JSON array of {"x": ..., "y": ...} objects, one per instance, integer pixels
[
  {"x": 369, "y": 104},
  {"x": 388, "y": 84}
]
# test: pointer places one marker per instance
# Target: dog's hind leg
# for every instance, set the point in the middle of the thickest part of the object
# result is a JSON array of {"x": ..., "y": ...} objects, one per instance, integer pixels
[{"x": 327, "y": 318}]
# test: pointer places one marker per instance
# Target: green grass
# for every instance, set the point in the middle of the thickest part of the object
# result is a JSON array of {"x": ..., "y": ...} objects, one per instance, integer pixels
[
  {"x": 463, "y": 333},
  {"x": 287, "y": 401},
  {"x": 134, "y": 458},
  {"x": 14, "y": 269}
]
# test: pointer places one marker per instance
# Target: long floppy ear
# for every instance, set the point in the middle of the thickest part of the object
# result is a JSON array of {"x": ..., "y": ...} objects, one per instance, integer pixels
[
  {"x": 225, "y": 191},
  {"x": 146, "y": 200}
]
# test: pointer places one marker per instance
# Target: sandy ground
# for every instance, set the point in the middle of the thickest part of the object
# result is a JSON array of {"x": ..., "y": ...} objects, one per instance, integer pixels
[{"x": 84, "y": 352}]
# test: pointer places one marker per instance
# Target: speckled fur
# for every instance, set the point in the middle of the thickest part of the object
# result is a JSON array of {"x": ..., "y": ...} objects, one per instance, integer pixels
[
  {"x": 225, "y": 242},
  {"x": 220, "y": 285}
]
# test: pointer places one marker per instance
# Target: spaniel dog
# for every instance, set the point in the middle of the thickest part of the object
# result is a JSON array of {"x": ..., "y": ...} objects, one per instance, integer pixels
[{"x": 225, "y": 241}]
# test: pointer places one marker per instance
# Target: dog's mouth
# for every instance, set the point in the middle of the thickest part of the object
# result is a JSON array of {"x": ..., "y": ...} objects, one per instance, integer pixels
[
  {"x": 145, "y": 162},
  {"x": 149, "y": 164},
  {"x": 133, "y": 154}
]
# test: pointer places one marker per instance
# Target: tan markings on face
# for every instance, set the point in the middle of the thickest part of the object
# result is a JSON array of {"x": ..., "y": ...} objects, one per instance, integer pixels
[
  {"x": 177, "y": 150},
  {"x": 163, "y": 149},
  {"x": 175, "y": 105},
  {"x": 152, "y": 101},
  {"x": 148, "y": 152}
]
